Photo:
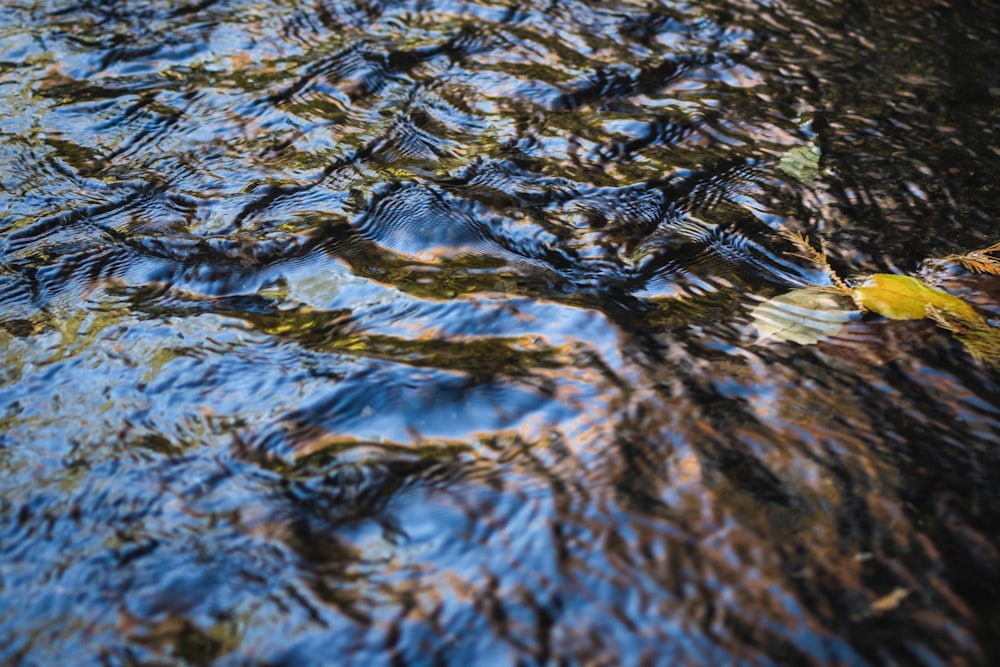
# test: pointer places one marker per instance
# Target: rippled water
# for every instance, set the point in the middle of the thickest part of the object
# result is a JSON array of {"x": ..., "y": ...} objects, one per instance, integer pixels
[{"x": 419, "y": 333}]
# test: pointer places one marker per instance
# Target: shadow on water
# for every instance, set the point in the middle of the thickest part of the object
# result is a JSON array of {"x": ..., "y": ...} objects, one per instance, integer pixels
[{"x": 419, "y": 333}]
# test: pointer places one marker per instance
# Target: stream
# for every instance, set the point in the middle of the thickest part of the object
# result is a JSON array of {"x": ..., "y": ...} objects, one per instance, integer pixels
[{"x": 420, "y": 332}]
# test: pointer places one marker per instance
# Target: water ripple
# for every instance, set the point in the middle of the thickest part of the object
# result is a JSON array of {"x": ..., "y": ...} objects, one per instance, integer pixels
[{"x": 420, "y": 332}]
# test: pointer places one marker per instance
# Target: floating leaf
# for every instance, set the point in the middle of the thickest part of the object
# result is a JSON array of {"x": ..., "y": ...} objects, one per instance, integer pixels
[
  {"x": 906, "y": 298},
  {"x": 801, "y": 163},
  {"x": 804, "y": 316},
  {"x": 809, "y": 315},
  {"x": 891, "y": 601}
]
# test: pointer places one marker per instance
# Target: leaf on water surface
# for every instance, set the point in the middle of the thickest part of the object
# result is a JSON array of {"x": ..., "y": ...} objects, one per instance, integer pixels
[
  {"x": 906, "y": 298},
  {"x": 801, "y": 163},
  {"x": 891, "y": 601},
  {"x": 804, "y": 316},
  {"x": 809, "y": 315}
]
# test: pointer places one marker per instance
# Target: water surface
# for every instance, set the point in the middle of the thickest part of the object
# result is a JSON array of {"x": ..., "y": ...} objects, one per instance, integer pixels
[{"x": 420, "y": 333}]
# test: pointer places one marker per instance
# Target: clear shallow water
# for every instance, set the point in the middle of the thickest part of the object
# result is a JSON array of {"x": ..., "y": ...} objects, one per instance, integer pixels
[{"x": 419, "y": 333}]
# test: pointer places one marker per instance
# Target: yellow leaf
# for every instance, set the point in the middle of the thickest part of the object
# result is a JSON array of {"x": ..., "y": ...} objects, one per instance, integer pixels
[{"x": 906, "y": 298}]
